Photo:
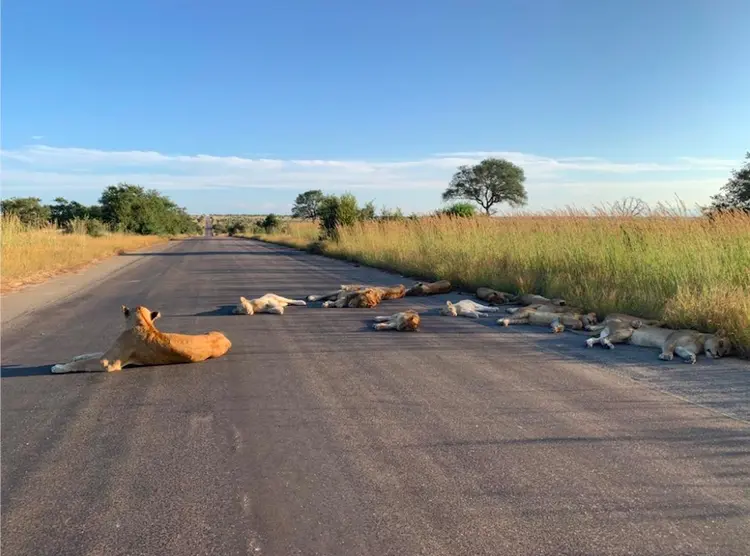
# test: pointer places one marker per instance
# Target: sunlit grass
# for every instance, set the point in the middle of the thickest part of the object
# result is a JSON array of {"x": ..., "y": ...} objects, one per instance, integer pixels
[
  {"x": 34, "y": 255},
  {"x": 693, "y": 272}
]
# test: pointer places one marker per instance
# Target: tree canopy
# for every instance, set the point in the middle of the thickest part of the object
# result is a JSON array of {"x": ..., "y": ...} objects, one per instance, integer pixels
[
  {"x": 307, "y": 204},
  {"x": 735, "y": 194},
  {"x": 492, "y": 181}
]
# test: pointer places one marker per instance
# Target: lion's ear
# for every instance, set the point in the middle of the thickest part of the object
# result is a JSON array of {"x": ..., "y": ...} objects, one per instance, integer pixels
[
  {"x": 125, "y": 311},
  {"x": 155, "y": 315}
]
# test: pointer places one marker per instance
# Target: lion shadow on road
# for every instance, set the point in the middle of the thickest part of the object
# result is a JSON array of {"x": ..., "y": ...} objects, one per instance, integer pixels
[
  {"x": 15, "y": 371},
  {"x": 220, "y": 311}
]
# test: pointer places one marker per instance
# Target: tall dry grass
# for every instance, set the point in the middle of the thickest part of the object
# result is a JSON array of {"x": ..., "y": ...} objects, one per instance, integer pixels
[
  {"x": 693, "y": 272},
  {"x": 31, "y": 256}
]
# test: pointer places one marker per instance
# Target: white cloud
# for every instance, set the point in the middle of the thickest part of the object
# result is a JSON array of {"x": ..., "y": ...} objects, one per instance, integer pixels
[
  {"x": 37, "y": 137},
  {"x": 556, "y": 181}
]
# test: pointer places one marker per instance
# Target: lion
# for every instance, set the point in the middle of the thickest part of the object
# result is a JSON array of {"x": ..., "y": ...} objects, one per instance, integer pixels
[
  {"x": 429, "y": 288},
  {"x": 687, "y": 344},
  {"x": 403, "y": 321},
  {"x": 494, "y": 297},
  {"x": 359, "y": 299},
  {"x": 467, "y": 308},
  {"x": 141, "y": 343},
  {"x": 388, "y": 292},
  {"x": 269, "y": 303},
  {"x": 617, "y": 328},
  {"x": 534, "y": 299},
  {"x": 558, "y": 321}
]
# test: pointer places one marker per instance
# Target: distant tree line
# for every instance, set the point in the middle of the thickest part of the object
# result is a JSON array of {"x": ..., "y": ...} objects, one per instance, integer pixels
[{"x": 121, "y": 208}]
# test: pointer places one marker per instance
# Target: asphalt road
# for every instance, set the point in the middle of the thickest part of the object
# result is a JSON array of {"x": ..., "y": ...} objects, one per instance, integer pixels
[{"x": 319, "y": 435}]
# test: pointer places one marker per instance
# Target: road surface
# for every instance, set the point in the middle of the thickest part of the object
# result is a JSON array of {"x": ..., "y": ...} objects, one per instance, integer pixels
[{"x": 318, "y": 435}]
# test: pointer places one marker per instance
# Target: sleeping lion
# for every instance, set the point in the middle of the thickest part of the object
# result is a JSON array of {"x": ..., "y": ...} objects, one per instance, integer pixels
[
  {"x": 429, "y": 288},
  {"x": 269, "y": 303},
  {"x": 403, "y": 321},
  {"x": 141, "y": 343}
]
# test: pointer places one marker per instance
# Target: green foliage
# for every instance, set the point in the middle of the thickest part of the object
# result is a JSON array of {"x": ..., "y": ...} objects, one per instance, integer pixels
[
  {"x": 270, "y": 223},
  {"x": 63, "y": 211},
  {"x": 89, "y": 226},
  {"x": 388, "y": 214},
  {"x": 492, "y": 181},
  {"x": 735, "y": 193},
  {"x": 307, "y": 204},
  {"x": 133, "y": 209},
  {"x": 29, "y": 210},
  {"x": 236, "y": 227},
  {"x": 367, "y": 212},
  {"x": 463, "y": 210}
]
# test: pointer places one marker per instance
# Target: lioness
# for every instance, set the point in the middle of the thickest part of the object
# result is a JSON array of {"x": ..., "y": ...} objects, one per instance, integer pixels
[
  {"x": 403, "y": 321},
  {"x": 622, "y": 317},
  {"x": 533, "y": 299},
  {"x": 494, "y": 297},
  {"x": 614, "y": 329},
  {"x": 557, "y": 321},
  {"x": 429, "y": 288},
  {"x": 142, "y": 344},
  {"x": 269, "y": 303},
  {"x": 467, "y": 308},
  {"x": 687, "y": 344},
  {"x": 388, "y": 292}
]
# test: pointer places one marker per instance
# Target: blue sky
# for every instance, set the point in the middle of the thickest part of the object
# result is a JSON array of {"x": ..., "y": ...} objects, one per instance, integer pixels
[{"x": 237, "y": 106}]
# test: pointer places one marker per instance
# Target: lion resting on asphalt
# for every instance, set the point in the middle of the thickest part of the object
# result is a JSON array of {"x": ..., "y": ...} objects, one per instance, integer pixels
[
  {"x": 558, "y": 321},
  {"x": 359, "y": 299},
  {"x": 269, "y": 303},
  {"x": 387, "y": 292},
  {"x": 687, "y": 344},
  {"x": 142, "y": 344},
  {"x": 403, "y": 321},
  {"x": 533, "y": 299},
  {"x": 495, "y": 297},
  {"x": 429, "y": 288},
  {"x": 467, "y": 308}
]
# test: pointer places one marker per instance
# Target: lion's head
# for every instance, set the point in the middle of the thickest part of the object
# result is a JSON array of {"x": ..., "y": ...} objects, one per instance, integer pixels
[
  {"x": 411, "y": 320},
  {"x": 366, "y": 299},
  {"x": 589, "y": 319},
  {"x": 244, "y": 307},
  {"x": 718, "y": 345},
  {"x": 449, "y": 310},
  {"x": 140, "y": 315}
]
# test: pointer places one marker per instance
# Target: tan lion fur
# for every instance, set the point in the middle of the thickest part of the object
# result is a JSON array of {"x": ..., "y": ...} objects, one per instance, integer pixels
[
  {"x": 687, "y": 344},
  {"x": 467, "y": 308},
  {"x": 533, "y": 299},
  {"x": 269, "y": 303},
  {"x": 141, "y": 343},
  {"x": 402, "y": 322},
  {"x": 388, "y": 292},
  {"x": 557, "y": 321},
  {"x": 494, "y": 297},
  {"x": 429, "y": 288},
  {"x": 360, "y": 299}
]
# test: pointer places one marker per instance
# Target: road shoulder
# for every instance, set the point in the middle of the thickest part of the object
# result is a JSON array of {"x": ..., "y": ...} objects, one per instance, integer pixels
[{"x": 15, "y": 307}]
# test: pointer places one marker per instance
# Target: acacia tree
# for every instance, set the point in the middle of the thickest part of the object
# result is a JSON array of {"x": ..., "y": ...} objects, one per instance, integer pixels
[
  {"x": 492, "y": 181},
  {"x": 307, "y": 204},
  {"x": 29, "y": 210},
  {"x": 735, "y": 194}
]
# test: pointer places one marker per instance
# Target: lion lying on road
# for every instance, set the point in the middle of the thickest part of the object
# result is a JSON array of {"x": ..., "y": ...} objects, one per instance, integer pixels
[
  {"x": 360, "y": 299},
  {"x": 142, "y": 344},
  {"x": 403, "y": 321},
  {"x": 533, "y": 299},
  {"x": 467, "y": 308},
  {"x": 387, "y": 292},
  {"x": 495, "y": 297},
  {"x": 269, "y": 303},
  {"x": 687, "y": 344},
  {"x": 429, "y": 288},
  {"x": 558, "y": 321}
]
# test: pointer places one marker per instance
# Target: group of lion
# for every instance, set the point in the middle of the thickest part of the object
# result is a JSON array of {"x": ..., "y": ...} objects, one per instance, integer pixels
[{"x": 141, "y": 343}]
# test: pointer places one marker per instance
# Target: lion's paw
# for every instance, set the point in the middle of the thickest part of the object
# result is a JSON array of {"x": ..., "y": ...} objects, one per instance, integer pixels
[{"x": 58, "y": 368}]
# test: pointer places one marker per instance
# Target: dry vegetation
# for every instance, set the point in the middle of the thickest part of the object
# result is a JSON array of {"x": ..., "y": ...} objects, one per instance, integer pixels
[
  {"x": 33, "y": 255},
  {"x": 694, "y": 272}
]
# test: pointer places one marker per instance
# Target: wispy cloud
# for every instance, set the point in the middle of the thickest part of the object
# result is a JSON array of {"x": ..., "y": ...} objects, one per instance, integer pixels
[
  {"x": 549, "y": 180},
  {"x": 37, "y": 137}
]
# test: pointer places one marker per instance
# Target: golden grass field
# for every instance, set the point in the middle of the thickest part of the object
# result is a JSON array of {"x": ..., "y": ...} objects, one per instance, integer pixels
[
  {"x": 693, "y": 272},
  {"x": 31, "y": 256}
]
